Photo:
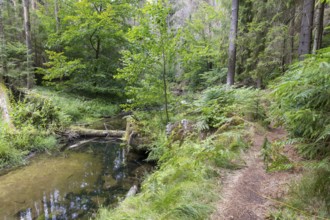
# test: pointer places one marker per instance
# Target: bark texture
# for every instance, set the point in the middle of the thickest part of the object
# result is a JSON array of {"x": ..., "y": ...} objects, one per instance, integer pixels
[
  {"x": 232, "y": 43},
  {"x": 306, "y": 29},
  {"x": 318, "y": 27}
]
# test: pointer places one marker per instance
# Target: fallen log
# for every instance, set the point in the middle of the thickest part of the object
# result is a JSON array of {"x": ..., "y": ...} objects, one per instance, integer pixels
[
  {"x": 86, "y": 132},
  {"x": 132, "y": 191},
  {"x": 78, "y": 144}
]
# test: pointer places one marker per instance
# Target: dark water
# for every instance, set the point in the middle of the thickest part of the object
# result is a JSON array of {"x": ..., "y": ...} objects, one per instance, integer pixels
[{"x": 71, "y": 185}]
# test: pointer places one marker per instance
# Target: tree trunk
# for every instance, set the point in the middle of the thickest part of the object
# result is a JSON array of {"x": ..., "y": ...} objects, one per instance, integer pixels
[
  {"x": 98, "y": 47},
  {"x": 318, "y": 27},
  {"x": 56, "y": 16},
  {"x": 232, "y": 43},
  {"x": 2, "y": 42},
  {"x": 306, "y": 29},
  {"x": 292, "y": 33},
  {"x": 165, "y": 83},
  {"x": 27, "y": 29},
  {"x": 3, "y": 64},
  {"x": 78, "y": 144},
  {"x": 85, "y": 132},
  {"x": 33, "y": 5}
]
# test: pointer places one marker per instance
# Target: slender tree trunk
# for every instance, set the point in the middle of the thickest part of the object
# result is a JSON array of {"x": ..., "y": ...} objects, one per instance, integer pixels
[
  {"x": 306, "y": 29},
  {"x": 33, "y": 5},
  {"x": 232, "y": 43},
  {"x": 165, "y": 84},
  {"x": 14, "y": 3},
  {"x": 318, "y": 27},
  {"x": 2, "y": 43},
  {"x": 98, "y": 47},
  {"x": 27, "y": 29},
  {"x": 283, "y": 55},
  {"x": 57, "y": 18},
  {"x": 292, "y": 33}
]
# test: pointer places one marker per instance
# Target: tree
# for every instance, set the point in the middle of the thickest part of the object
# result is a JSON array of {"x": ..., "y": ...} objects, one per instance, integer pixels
[
  {"x": 265, "y": 42},
  {"x": 292, "y": 33},
  {"x": 318, "y": 26},
  {"x": 306, "y": 29},
  {"x": 91, "y": 31},
  {"x": 203, "y": 52},
  {"x": 27, "y": 28},
  {"x": 148, "y": 59},
  {"x": 56, "y": 9},
  {"x": 232, "y": 43},
  {"x": 2, "y": 42}
]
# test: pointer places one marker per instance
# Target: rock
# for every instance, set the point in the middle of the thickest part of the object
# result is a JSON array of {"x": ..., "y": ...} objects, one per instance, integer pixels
[{"x": 179, "y": 130}]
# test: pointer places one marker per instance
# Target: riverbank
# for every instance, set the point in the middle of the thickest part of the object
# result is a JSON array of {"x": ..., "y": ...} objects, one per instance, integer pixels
[{"x": 41, "y": 116}]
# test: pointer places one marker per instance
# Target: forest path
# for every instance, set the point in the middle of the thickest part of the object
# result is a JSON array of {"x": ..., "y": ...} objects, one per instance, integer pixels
[{"x": 244, "y": 192}]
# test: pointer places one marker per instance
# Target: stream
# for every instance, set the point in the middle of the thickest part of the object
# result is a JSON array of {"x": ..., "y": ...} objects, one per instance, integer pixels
[{"x": 72, "y": 184}]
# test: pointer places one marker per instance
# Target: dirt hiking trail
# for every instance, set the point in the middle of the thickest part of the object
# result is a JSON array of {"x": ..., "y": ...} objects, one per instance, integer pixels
[{"x": 244, "y": 191}]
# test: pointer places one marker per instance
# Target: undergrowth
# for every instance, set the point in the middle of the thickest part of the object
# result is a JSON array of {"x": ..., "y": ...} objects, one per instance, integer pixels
[
  {"x": 301, "y": 105},
  {"x": 183, "y": 186},
  {"x": 39, "y": 116}
]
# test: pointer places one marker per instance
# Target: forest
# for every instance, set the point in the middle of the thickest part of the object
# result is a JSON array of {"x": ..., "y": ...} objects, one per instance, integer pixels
[{"x": 165, "y": 109}]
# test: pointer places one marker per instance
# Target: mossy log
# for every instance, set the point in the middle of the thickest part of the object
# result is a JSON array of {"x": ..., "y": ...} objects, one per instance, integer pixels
[{"x": 86, "y": 132}]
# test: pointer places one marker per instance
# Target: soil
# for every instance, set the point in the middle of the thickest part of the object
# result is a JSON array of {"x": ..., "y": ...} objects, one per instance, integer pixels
[{"x": 249, "y": 193}]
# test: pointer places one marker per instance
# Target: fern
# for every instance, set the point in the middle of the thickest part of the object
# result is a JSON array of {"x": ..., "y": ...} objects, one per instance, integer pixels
[{"x": 302, "y": 103}]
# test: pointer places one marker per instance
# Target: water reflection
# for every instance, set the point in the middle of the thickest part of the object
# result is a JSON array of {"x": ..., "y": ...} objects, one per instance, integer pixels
[{"x": 70, "y": 186}]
